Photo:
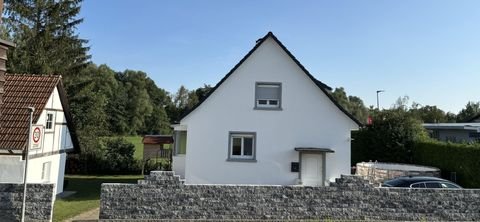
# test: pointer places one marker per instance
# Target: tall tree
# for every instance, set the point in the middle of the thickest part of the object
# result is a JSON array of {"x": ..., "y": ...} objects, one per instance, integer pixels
[
  {"x": 470, "y": 110},
  {"x": 45, "y": 34}
]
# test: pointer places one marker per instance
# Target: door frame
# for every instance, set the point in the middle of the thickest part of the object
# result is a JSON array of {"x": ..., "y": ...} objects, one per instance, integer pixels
[{"x": 324, "y": 165}]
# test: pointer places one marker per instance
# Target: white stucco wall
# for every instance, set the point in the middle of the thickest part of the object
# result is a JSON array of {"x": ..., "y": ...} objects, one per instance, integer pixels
[
  {"x": 54, "y": 140},
  {"x": 178, "y": 165},
  {"x": 11, "y": 169},
  {"x": 308, "y": 119}
]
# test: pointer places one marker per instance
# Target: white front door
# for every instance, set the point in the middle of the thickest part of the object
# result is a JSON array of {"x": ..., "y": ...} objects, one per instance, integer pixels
[{"x": 312, "y": 169}]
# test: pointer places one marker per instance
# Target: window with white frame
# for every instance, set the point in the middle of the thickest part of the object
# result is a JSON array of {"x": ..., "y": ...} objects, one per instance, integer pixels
[
  {"x": 268, "y": 96},
  {"x": 46, "y": 171},
  {"x": 242, "y": 146},
  {"x": 49, "y": 122}
]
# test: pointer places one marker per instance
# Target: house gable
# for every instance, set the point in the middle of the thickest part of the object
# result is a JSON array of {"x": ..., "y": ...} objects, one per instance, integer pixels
[
  {"x": 24, "y": 90},
  {"x": 270, "y": 36}
]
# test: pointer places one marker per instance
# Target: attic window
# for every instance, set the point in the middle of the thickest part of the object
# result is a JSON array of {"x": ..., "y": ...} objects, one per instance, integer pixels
[
  {"x": 49, "y": 123},
  {"x": 268, "y": 96}
]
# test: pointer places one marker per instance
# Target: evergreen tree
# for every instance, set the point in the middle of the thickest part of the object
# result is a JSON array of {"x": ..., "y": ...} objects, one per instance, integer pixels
[{"x": 45, "y": 35}]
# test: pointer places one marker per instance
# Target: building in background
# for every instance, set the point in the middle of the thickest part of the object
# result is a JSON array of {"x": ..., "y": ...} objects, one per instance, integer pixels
[
  {"x": 454, "y": 132},
  {"x": 47, "y": 160}
]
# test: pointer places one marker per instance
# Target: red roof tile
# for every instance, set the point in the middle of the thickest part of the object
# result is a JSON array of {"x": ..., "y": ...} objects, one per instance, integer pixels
[{"x": 22, "y": 91}]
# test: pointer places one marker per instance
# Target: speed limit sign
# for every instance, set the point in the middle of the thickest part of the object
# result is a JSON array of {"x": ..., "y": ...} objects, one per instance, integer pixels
[{"x": 37, "y": 136}]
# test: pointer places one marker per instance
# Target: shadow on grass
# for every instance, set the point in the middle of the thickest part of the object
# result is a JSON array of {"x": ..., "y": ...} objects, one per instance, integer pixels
[{"x": 88, "y": 187}]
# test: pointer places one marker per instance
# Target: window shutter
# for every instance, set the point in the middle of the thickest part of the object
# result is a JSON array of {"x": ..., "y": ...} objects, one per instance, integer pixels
[{"x": 268, "y": 92}]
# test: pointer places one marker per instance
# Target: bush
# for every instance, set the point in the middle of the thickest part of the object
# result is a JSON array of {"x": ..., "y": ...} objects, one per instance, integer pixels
[
  {"x": 105, "y": 156},
  {"x": 390, "y": 138},
  {"x": 464, "y": 159},
  {"x": 119, "y": 155}
]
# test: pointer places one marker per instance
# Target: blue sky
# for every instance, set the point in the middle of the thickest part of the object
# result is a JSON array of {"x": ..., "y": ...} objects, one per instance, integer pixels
[{"x": 428, "y": 50}]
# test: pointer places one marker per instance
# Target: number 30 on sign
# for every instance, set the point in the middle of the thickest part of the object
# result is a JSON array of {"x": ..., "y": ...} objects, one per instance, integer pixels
[{"x": 37, "y": 136}]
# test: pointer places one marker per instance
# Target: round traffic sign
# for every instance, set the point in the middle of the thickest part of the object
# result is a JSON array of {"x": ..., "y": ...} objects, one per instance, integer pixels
[{"x": 36, "y": 134}]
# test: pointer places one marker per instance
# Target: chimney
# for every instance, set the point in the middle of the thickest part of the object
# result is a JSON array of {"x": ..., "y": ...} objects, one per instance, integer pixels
[{"x": 4, "y": 45}]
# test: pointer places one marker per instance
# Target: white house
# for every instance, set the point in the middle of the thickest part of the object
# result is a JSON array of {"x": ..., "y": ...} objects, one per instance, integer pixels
[
  {"x": 47, "y": 161},
  {"x": 268, "y": 121}
]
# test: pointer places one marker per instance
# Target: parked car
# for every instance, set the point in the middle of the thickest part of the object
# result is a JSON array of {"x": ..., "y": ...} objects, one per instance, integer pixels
[{"x": 421, "y": 182}]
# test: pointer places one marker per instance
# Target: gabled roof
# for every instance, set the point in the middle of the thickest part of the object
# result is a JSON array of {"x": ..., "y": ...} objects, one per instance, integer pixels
[
  {"x": 22, "y": 91},
  {"x": 322, "y": 86},
  {"x": 157, "y": 139}
]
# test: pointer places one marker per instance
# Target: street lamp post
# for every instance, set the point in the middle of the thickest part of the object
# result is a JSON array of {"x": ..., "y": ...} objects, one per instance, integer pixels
[
  {"x": 378, "y": 104},
  {"x": 31, "y": 110}
]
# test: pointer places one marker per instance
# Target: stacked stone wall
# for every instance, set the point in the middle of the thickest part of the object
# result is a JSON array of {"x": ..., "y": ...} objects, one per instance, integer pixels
[
  {"x": 39, "y": 203},
  {"x": 162, "y": 195}
]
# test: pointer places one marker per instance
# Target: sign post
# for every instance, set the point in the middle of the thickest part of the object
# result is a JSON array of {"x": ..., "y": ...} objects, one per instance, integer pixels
[{"x": 31, "y": 139}]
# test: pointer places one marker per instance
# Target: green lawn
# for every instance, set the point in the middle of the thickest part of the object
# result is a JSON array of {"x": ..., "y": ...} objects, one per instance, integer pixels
[
  {"x": 88, "y": 194},
  {"x": 137, "y": 141}
]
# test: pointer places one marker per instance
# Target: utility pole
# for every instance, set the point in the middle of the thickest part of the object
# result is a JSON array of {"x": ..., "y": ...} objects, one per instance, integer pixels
[
  {"x": 29, "y": 143},
  {"x": 378, "y": 104}
]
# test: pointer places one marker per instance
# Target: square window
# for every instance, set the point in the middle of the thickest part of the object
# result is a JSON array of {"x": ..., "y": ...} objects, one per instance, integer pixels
[
  {"x": 268, "y": 96},
  {"x": 242, "y": 146}
]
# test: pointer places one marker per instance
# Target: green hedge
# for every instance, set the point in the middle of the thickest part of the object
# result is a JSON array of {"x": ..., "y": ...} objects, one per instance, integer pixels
[{"x": 464, "y": 159}]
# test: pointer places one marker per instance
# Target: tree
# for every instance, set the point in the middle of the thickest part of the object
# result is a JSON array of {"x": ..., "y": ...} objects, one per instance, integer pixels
[
  {"x": 119, "y": 155},
  {"x": 202, "y": 92},
  {"x": 429, "y": 114},
  {"x": 390, "y": 138},
  {"x": 470, "y": 110},
  {"x": 138, "y": 106},
  {"x": 44, "y": 33},
  {"x": 180, "y": 100},
  {"x": 352, "y": 104},
  {"x": 185, "y": 100}
]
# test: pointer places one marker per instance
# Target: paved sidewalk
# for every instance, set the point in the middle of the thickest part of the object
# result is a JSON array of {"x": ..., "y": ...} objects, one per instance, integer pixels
[{"x": 91, "y": 215}]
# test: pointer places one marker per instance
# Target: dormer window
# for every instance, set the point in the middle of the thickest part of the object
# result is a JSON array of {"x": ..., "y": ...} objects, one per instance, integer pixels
[{"x": 268, "y": 96}]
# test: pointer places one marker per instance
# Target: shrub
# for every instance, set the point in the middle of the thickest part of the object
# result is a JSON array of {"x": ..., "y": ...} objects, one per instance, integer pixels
[
  {"x": 119, "y": 155},
  {"x": 105, "y": 156},
  {"x": 464, "y": 159},
  {"x": 390, "y": 138}
]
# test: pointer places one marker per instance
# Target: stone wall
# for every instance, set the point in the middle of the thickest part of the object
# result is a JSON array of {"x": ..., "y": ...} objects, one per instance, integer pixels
[
  {"x": 163, "y": 196},
  {"x": 39, "y": 203},
  {"x": 377, "y": 173}
]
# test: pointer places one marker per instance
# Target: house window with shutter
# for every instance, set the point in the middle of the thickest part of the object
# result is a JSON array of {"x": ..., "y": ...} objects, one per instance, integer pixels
[{"x": 268, "y": 96}]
